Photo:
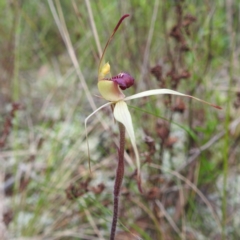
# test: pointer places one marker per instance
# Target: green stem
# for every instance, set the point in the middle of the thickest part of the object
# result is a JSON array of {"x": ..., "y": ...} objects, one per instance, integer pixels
[{"x": 118, "y": 180}]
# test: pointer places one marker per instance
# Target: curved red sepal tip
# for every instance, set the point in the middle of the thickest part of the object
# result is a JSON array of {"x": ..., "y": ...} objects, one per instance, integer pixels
[
  {"x": 120, "y": 21},
  {"x": 217, "y": 107},
  {"x": 110, "y": 38}
]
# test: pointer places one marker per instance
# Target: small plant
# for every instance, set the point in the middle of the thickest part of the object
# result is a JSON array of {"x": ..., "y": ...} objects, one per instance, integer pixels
[{"x": 111, "y": 90}]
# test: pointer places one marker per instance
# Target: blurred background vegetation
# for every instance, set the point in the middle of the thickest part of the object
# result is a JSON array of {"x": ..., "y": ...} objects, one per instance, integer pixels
[{"x": 190, "y": 152}]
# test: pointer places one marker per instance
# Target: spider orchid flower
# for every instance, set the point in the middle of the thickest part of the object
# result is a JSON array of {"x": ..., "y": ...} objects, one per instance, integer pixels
[{"x": 111, "y": 88}]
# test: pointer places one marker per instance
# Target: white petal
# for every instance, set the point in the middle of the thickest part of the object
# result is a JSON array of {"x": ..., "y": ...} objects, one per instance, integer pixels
[
  {"x": 122, "y": 114},
  {"x": 165, "y": 91},
  {"x": 86, "y": 120}
]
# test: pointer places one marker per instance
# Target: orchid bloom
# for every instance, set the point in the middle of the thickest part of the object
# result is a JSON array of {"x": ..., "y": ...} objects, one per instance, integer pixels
[{"x": 111, "y": 88}]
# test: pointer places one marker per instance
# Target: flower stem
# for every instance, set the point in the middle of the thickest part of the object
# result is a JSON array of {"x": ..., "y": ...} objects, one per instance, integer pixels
[{"x": 118, "y": 179}]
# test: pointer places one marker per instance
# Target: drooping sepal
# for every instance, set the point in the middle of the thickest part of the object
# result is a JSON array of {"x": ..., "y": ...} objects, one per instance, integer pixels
[
  {"x": 166, "y": 91},
  {"x": 122, "y": 115}
]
